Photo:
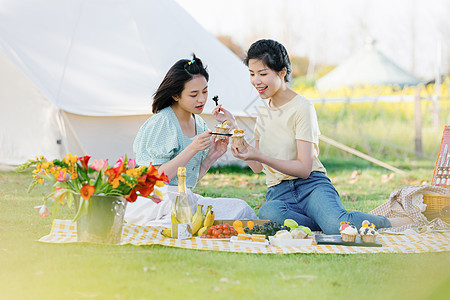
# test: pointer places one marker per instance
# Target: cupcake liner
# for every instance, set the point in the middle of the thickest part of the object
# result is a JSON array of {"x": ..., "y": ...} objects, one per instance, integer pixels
[
  {"x": 238, "y": 141},
  {"x": 368, "y": 238},
  {"x": 348, "y": 238},
  {"x": 221, "y": 130}
]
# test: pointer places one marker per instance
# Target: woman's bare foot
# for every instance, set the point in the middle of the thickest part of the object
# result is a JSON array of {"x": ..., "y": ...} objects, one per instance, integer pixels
[{"x": 400, "y": 221}]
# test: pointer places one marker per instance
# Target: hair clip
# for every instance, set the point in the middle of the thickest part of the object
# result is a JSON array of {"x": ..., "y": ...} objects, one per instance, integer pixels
[{"x": 191, "y": 62}]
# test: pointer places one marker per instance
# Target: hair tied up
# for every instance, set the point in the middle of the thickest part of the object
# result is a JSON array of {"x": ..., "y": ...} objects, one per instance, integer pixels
[{"x": 188, "y": 65}]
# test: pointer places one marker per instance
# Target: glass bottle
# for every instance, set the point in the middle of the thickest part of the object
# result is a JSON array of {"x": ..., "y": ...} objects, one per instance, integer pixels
[{"x": 181, "y": 213}]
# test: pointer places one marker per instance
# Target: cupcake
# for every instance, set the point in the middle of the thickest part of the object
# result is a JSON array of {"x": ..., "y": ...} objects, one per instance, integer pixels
[
  {"x": 348, "y": 232},
  {"x": 223, "y": 127},
  {"x": 298, "y": 234},
  {"x": 237, "y": 138},
  {"x": 368, "y": 232},
  {"x": 283, "y": 234}
]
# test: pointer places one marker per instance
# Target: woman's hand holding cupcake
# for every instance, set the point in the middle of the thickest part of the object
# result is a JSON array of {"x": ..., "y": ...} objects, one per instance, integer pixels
[
  {"x": 247, "y": 152},
  {"x": 218, "y": 146}
]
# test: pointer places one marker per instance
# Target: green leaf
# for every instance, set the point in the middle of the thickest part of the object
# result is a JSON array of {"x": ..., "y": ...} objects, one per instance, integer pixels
[
  {"x": 23, "y": 167},
  {"x": 98, "y": 182},
  {"x": 32, "y": 185},
  {"x": 55, "y": 209},
  {"x": 82, "y": 173}
]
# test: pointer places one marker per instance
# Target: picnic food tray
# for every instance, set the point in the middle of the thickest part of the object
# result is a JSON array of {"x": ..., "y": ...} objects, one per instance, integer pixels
[
  {"x": 291, "y": 242},
  {"x": 324, "y": 239},
  {"x": 250, "y": 243},
  {"x": 203, "y": 239}
]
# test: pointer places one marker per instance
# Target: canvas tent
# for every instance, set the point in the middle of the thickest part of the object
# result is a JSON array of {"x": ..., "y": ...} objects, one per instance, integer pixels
[
  {"x": 78, "y": 76},
  {"x": 368, "y": 66}
]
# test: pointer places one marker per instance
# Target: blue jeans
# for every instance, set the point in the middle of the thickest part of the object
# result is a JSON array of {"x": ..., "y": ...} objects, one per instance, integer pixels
[{"x": 312, "y": 202}]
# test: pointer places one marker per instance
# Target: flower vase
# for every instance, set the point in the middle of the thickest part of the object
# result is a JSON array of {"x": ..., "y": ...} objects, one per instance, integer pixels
[{"x": 103, "y": 221}]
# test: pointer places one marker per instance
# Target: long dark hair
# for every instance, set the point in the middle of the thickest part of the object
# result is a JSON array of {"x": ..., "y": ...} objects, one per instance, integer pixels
[
  {"x": 173, "y": 83},
  {"x": 273, "y": 54}
]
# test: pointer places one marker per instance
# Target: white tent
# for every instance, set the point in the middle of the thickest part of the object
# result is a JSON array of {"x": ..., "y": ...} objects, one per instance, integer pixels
[
  {"x": 78, "y": 76},
  {"x": 368, "y": 66}
]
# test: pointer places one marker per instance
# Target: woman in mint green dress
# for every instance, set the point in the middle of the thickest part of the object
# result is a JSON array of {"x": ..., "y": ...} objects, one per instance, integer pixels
[{"x": 176, "y": 136}]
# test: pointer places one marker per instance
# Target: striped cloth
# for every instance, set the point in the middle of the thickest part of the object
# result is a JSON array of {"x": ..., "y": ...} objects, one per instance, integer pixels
[{"x": 64, "y": 231}]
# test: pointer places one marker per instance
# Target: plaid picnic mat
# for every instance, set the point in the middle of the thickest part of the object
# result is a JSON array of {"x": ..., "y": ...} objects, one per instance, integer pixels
[{"x": 64, "y": 231}]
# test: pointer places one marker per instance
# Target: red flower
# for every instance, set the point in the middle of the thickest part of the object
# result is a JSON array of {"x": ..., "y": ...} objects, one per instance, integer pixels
[
  {"x": 153, "y": 173},
  {"x": 132, "y": 196},
  {"x": 87, "y": 191},
  {"x": 145, "y": 191},
  {"x": 84, "y": 161},
  {"x": 146, "y": 183},
  {"x": 164, "y": 178}
]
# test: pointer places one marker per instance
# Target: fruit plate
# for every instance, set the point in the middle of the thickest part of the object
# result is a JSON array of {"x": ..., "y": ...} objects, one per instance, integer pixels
[
  {"x": 250, "y": 243},
  {"x": 206, "y": 239},
  {"x": 291, "y": 242}
]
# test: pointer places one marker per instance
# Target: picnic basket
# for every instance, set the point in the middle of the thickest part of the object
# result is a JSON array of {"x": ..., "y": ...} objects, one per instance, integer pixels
[{"x": 438, "y": 206}]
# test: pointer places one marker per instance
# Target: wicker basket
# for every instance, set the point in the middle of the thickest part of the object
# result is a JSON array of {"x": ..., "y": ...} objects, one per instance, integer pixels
[{"x": 435, "y": 204}]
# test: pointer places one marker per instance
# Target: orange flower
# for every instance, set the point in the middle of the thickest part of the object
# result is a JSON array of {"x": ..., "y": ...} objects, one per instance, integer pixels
[
  {"x": 114, "y": 173},
  {"x": 87, "y": 191}
]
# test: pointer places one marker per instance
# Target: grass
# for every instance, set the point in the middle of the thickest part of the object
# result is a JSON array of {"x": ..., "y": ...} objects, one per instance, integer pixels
[
  {"x": 384, "y": 130},
  {"x": 33, "y": 270}
]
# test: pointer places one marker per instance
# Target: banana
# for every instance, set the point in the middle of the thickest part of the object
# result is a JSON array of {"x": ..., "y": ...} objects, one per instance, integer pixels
[
  {"x": 167, "y": 232},
  {"x": 202, "y": 231},
  {"x": 209, "y": 219},
  {"x": 197, "y": 219},
  {"x": 208, "y": 208},
  {"x": 213, "y": 217}
]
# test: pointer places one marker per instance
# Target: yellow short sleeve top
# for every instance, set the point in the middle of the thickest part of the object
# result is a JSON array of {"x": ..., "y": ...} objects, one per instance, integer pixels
[{"x": 277, "y": 130}]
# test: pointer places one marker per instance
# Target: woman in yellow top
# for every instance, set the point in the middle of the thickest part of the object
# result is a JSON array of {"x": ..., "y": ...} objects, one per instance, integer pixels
[{"x": 287, "y": 148}]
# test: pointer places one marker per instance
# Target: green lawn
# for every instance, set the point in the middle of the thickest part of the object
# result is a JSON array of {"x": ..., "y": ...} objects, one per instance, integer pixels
[{"x": 33, "y": 270}]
